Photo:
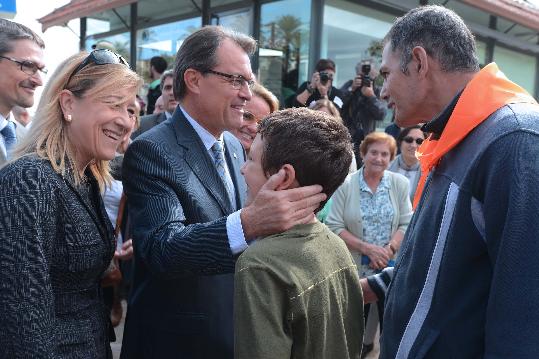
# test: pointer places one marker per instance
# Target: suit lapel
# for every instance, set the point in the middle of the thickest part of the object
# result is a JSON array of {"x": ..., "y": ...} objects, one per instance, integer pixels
[
  {"x": 235, "y": 157},
  {"x": 101, "y": 227},
  {"x": 199, "y": 160}
]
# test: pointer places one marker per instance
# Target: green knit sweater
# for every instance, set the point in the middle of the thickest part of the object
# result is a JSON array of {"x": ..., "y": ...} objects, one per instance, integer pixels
[{"x": 297, "y": 295}]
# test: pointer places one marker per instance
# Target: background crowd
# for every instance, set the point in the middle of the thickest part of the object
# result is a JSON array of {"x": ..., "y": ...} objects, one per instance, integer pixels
[{"x": 108, "y": 194}]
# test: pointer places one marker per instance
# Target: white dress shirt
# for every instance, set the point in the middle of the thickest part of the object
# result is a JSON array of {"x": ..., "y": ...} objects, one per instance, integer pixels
[
  {"x": 234, "y": 229},
  {"x": 3, "y": 123}
]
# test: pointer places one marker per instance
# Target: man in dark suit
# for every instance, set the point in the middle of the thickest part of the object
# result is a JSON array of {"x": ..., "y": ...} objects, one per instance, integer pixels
[
  {"x": 21, "y": 66},
  {"x": 169, "y": 102},
  {"x": 184, "y": 187}
]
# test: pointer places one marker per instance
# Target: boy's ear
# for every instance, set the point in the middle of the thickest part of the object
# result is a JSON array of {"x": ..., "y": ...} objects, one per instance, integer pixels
[{"x": 289, "y": 178}]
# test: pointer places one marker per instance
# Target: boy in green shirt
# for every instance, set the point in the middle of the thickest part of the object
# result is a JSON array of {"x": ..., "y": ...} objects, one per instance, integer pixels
[{"x": 297, "y": 293}]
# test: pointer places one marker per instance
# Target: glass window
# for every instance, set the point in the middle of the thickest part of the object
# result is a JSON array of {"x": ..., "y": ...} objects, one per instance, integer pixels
[
  {"x": 481, "y": 52},
  {"x": 109, "y": 20},
  {"x": 284, "y": 46},
  {"x": 350, "y": 34},
  {"x": 118, "y": 43},
  {"x": 238, "y": 20},
  {"x": 152, "y": 10},
  {"x": 162, "y": 40},
  {"x": 518, "y": 67}
]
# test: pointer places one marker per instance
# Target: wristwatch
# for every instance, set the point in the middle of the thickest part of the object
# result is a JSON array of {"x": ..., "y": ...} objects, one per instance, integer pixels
[{"x": 309, "y": 89}]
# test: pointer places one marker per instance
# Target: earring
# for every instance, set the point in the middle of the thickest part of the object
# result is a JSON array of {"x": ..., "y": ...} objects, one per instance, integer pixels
[{"x": 69, "y": 118}]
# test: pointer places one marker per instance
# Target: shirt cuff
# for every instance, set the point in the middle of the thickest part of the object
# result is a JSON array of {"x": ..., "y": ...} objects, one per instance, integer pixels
[{"x": 234, "y": 230}]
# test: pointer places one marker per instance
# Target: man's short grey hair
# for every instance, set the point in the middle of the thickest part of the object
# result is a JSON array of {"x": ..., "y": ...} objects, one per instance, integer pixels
[
  {"x": 441, "y": 32},
  {"x": 199, "y": 52},
  {"x": 12, "y": 31},
  {"x": 164, "y": 76}
]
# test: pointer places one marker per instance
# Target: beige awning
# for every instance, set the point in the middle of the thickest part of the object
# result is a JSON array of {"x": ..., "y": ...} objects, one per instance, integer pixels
[
  {"x": 519, "y": 11},
  {"x": 79, "y": 8}
]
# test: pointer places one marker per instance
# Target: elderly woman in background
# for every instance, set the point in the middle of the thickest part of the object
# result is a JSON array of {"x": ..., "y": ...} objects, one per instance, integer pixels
[
  {"x": 370, "y": 212},
  {"x": 56, "y": 240},
  {"x": 261, "y": 104},
  {"x": 407, "y": 163}
]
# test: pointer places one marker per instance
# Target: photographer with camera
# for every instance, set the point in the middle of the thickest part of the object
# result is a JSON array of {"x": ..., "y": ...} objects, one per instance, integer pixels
[
  {"x": 320, "y": 86},
  {"x": 362, "y": 106}
]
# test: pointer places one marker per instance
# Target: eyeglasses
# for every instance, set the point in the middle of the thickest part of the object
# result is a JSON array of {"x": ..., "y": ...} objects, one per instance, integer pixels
[
  {"x": 28, "y": 67},
  {"x": 409, "y": 139},
  {"x": 237, "y": 81},
  {"x": 100, "y": 57}
]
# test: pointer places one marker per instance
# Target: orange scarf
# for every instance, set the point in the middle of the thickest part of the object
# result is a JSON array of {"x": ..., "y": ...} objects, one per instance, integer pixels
[{"x": 488, "y": 91}]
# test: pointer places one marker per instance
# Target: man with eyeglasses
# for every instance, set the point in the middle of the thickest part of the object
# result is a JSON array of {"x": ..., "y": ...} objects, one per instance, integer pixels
[
  {"x": 169, "y": 103},
  {"x": 185, "y": 192},
  {"x": 21, "y": 66}
]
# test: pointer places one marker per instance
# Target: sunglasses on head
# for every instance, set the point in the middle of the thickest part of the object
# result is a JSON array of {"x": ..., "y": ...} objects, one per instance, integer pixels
[
  {"x": 409, "y": 139},
  {"x": 100, "y": 57}
]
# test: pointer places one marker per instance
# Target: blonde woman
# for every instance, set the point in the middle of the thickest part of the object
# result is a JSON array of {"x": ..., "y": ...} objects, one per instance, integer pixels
[
  {"x": 56, "y": 240},
  {"x": 261, "y": 104}
]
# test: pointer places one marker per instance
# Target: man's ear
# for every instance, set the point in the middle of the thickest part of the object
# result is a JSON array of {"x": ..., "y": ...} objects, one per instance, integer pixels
[
  {"x": 192, "y": 77},
  {"x": 420, "y": 61},
  {"x": 67, "y": 102},
  {"x": 289, "y": 178}
]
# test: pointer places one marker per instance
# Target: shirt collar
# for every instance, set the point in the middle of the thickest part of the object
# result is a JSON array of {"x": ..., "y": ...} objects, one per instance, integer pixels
[
  {"x": 437, "y": 125},
  {"x": 168, "y": 115},
  {"x": 384, "y": 183},
  {"x": 207, "y": 138},
  {"x": 3, "y": 122}
]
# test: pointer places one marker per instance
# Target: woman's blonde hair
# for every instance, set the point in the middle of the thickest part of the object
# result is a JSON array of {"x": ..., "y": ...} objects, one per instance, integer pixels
[
  {"x": 375, "y": 137},
  {"x": 324, "y": 102},
  {"x": 266, "y": 95},
  {"x": 48, "y": 134}
]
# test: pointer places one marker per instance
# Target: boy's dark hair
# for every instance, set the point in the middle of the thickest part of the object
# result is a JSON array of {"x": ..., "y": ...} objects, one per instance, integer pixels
[
  {"x": 325, "y": 64},
  {"x": 314, "y": 143},
  {"x": 159, "y": 64}
]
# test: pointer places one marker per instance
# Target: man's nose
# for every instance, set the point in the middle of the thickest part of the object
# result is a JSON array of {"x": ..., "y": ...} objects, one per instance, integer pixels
[{"x": 245, "y": 92}]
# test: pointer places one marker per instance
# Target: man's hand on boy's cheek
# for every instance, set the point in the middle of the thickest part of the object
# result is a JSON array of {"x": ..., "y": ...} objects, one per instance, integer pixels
[{"x": 274, "y": 211}]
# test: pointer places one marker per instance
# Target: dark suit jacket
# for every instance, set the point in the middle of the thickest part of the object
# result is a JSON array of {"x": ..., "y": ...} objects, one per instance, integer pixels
[
  {"x": 179, "y": 307},
  {"x": 56, "y": 241},
  {"x": 147, "y": 122}
]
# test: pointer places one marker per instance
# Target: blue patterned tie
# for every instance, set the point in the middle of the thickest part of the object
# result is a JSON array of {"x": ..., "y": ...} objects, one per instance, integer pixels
[
  {"x": 10, "y": 137},
  {"x": 219, "y": 158}
]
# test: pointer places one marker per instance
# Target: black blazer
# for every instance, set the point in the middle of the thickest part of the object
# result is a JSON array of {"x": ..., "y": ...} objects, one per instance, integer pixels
[
  {"x": 56, "y": 241},
  {"x": 178, "y": 206},
  {"x": 147, "y": 122}
]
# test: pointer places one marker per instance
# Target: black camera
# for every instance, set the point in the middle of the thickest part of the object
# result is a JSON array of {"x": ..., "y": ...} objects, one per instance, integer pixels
[
  {"x": 365, "y": 75},
  {"x": 324, "y": 77}
]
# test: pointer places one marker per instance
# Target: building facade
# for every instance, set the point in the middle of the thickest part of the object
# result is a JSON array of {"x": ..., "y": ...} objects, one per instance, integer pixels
[{"x": 294, "y": 34}]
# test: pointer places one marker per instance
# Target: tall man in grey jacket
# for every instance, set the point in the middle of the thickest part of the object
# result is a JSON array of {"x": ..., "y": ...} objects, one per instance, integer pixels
[
  {"x": 465, "y": 284},
  {"x": 185, "y": 193}
]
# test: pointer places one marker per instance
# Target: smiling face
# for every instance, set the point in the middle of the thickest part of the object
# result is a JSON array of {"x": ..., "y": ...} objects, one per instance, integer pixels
[
  {"x": 377, "y": 158},
  {"x": 255, "y": 110},
  {"x": 220, "y": 105},
  {"x": 100, "y": 125},
  {"x": 167, "y": 95},
  {"x": 252, "y": 170},
  {"x": 401, "y": 91},
  {"x": 408, "y": 150},
  {"x": 17, "y": 87}
]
